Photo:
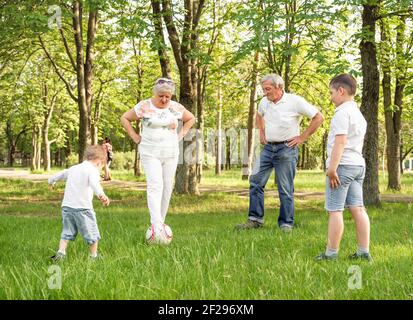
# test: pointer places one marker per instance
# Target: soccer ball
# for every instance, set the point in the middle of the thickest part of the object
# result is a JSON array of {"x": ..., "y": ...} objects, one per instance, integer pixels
[{"x": 159, "y": 234}]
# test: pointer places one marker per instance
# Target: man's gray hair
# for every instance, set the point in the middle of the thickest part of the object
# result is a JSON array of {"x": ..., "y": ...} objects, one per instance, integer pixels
[
  {"x": 275, "y": 80},
  {"x": 164, "y": 85}
]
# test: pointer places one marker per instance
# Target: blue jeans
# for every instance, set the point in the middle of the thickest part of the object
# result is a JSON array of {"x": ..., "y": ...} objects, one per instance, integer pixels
[{"x": 284, "y": 160}]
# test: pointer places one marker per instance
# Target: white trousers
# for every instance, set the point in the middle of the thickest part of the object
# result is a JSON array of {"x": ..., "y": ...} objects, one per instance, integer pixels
[{"x": 160, "y": 174}]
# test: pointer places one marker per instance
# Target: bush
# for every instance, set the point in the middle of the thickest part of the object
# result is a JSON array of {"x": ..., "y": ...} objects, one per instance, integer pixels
[
  {"x": 123, "y": 160},
  {"x": 72, "y": 159}
]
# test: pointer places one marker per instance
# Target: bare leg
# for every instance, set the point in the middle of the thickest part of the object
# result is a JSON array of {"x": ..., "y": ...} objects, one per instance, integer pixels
[
  {"x": 93, "y": 248},
  {"x": 63, "y": 245},
  {"x": 335, "y": 229},
  {"x": 362, "y": 226},
  {"x": 107, "y": 174}
]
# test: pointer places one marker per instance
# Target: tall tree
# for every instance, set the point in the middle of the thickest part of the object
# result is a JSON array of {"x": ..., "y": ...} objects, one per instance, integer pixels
[
  {"x": 159, "y": 40},
  {"x": 396, "y": 50},
  {"x": 82, "y": 64},
  {"x": 370, "y": 100},
  {"x": 184, "y": 49},
  {"x": 251, "y": 119}
]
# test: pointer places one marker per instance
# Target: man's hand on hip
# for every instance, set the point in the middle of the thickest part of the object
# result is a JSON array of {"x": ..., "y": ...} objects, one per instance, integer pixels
[{"x": 296, "y": 141}]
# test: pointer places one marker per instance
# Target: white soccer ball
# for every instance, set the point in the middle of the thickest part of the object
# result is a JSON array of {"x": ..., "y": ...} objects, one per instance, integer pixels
[{"x": 159, "y": 234}]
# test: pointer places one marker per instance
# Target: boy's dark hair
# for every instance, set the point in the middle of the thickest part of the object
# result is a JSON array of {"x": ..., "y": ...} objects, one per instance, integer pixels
[
  {"x": 95, "y": 152},
  {"x": 345, "y": 81}
]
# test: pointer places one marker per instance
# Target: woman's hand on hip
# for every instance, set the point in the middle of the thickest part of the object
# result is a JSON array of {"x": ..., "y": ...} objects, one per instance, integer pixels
[{"x": 137, "y": 139}]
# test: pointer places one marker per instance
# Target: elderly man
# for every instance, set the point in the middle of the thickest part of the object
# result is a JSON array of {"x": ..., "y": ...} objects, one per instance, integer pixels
[{"x": 278, "y": 119}]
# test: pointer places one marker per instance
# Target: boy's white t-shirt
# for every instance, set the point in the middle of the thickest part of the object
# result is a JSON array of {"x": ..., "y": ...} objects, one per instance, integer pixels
[
  {"x": 82, "y": 180},
  {"x": 282, "y": 119},
  {"x": 159, "y": 128},
  {"x": 348, "y": 120}
]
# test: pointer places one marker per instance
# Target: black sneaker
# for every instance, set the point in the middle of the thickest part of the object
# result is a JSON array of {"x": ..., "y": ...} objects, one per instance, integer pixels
[
  {"x": 363, "y": 256},
  {"x": 249, "y": 225},
  {"x": 322, "y": 256},
  {"x": 58, "y": 257}
]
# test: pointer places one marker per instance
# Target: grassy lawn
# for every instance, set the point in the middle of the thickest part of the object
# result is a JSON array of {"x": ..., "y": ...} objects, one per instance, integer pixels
[{"x": 207, "y": 259}]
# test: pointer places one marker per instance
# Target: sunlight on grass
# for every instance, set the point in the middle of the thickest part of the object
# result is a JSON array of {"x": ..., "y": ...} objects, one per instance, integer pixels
[{"x": 208, "y": 258}]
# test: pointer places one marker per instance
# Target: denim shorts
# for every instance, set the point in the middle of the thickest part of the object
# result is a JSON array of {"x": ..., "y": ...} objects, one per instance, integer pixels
[
  {"x": 349, "y": 193},
  {"x": 82, "y": 221}
]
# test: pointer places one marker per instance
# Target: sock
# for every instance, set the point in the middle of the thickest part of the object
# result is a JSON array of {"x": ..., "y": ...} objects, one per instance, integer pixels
[
  {"x": 330, "y": 252},
  {"x": 94, "y": 255},
  {"x": 62, "y": 252},
  {"x": 361, "y": 251}
]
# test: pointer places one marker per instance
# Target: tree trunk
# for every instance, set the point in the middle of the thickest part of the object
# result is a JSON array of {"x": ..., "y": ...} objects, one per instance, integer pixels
[
  {"x": 392, "y": 134},
  {"x": 68, "y": 147},
  {"x": 229, "y": 148},
  {"x": 219, "y": 149},
  {"x": 200, "y": 121},
  {"x": 291, "y": 11},
  {"x": 90, "y": 57},
  {"x": 324, "y": 156},
  {"x": 45, "y": 127},
  {"x": 137, "y": 162},
  {"x": 12, "y": 141},
  {"x": 84, "y": 131},
  {"x": 186, "y": 179},
  {"x": 139, "y": 73},
  {"x": 246, "y": 165},
  {"x": 186, "y": 182},
  {"x": 160, "y": 40},
  {"x": 303, "y": 154},
  {"x": 36, "y": 147},
  {"x": 401, "y": 69},
  {"x": 369, "y": 104},
  {"x": 84, "y": 71}
]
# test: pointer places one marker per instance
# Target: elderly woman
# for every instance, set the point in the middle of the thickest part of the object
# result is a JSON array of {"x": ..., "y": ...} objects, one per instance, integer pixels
[{"x": 159, "y": 143}]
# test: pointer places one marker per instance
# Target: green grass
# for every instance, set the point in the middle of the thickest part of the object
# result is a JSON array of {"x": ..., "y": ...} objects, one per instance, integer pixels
[{"x": 207, "y": 259}]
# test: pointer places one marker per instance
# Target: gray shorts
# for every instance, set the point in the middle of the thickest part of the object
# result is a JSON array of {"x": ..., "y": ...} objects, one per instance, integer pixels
[
  {"x": 82, "y": 221},
  {"x": 349, "y": 193}
]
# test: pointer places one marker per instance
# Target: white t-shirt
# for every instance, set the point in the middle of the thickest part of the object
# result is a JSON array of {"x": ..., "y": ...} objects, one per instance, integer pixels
[
  {"x": 159, "y": 128},
  {"x": 282, "y": 119},
  {"x": 348, "y": 120},
  {"x": 81, "y": 181}
]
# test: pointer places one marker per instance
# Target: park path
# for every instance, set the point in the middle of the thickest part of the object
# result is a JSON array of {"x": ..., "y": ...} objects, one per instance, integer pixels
[{"x": 10, "y": 173}]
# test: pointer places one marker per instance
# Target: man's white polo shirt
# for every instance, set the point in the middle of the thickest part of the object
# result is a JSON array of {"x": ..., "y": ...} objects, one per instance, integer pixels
[
  {"x": 282, "y": 119},
  {"x": 348, "y": 120}
]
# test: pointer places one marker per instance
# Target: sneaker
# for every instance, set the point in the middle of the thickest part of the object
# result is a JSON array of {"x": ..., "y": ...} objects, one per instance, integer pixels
[
  {"x": 363, "y": 256},
  {"x": 322, "y": 256},
  {"x": 286, "y": 228},
  {"x": 58, "y": 257},
  {"x": 249, "y": 225}
]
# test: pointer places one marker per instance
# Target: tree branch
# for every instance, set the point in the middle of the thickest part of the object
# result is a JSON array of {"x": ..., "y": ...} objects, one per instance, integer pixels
[
  {"x": 401, "y": 13},
  {"x": 69, "y": 54},
  {"x": 407, "y": 153},
  {"x": 68, "y": 87},
  {"x": 172, "y": 31}
]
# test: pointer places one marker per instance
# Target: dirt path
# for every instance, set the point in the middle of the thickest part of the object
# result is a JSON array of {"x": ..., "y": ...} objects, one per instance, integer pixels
[{"x": 241, "y": 192}]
